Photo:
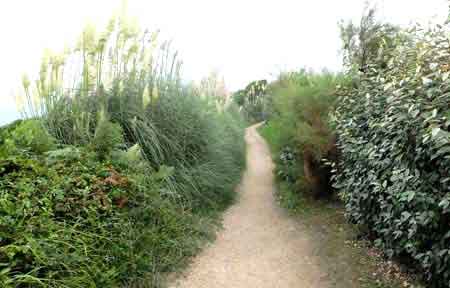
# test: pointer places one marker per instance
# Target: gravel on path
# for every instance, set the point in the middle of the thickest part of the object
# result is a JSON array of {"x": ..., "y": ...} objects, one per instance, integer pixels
[{"x": 260, "y": 245}]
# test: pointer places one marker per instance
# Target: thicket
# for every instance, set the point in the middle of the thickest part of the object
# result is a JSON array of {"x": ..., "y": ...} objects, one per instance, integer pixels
[
  {"x": 111, "y": 182},
  {"x": 394, "y": 130},
  {"x": 299, "y": 131}
]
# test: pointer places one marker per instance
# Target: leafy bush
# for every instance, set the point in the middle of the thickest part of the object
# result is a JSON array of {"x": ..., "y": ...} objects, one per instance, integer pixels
[
  {"x": 7, "y": 145},
  {"x": 32, "y": 135},
  {"x": 67, "y": 154},
  {"x": 83, "y": 223},
  {"x": 299, "y": 132},
  {"x": 5, "y": 131},
  {"x": 394, "y": 131},
  {"x": 107, "y": 137},
  {"x": 253, "y": 101},
  {"x": 278, "y": 135}
]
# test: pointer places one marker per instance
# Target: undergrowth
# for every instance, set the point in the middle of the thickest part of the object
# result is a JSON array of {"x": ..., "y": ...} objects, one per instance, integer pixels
[
  {"x": 117, "y": 180},
  {"x": 298, "y": 130}
]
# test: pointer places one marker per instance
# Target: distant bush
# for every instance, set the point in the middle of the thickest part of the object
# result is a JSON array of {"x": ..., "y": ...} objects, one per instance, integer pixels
[
  {"x": 7, "y": 145},
  {"x": 394, "y": 136},
  {"x": 254, "y": 101},
  {"x": 299, "y": 131}
]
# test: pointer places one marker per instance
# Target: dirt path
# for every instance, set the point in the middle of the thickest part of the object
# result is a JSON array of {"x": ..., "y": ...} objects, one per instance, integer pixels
[{"x": 260, "y": 246}]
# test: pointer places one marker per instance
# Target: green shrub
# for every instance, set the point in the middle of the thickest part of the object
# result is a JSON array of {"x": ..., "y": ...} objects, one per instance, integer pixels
[
  {"x": 83, "y": 223},
  {"x": 32, "y": 135},
  {"x": 67, "y": 154},
  {"x": 393, "y": 125},
  {"x": 5, "y": 131},
  {"x": 107, "y": 137},
  {"x": 71, "y": 219},
  {"x": 298, "y": 131},
  {"x": 253, "y": 101},
  {"x": 7, "y": 145},
  {"x": 288, "y": 168}
]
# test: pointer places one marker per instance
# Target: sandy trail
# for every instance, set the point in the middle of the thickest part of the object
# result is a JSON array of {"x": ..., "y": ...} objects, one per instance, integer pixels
[{"x": 260, "y": 246}]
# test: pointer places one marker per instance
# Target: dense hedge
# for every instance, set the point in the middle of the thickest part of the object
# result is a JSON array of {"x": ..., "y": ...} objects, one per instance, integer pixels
[{"x": 393, "y": 125}]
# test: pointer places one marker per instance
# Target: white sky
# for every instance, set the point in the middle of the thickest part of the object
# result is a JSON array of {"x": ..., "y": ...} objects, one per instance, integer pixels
[{"x": 244, "y": 40}]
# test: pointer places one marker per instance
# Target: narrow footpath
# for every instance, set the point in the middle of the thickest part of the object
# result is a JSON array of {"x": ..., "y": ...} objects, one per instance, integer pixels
[{"x": 260, "y": 245}]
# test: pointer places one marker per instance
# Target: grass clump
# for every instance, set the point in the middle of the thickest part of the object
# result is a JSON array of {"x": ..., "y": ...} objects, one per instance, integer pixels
[{"x": 107, "y": 137}]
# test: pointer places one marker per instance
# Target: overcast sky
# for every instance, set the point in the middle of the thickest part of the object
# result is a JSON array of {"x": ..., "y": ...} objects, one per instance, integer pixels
[{"x": 242, "y": 39}]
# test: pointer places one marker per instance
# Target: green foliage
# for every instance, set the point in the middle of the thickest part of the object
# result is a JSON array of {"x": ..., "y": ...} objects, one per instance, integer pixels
[
  {"x": 253, "y": 101},
  {"x": 67, "y": 154},
  {"x": 73, "y": 221},
  {"x": 203, "y": 146},
  {"x": 142, "y": 164},
  {"x": 308, "y": 99},
  {"x": 107, "y": 136},
  {"x": 362, "y": 43},
  {"x": 7, "y": 145},
  {"x": 282, "y": 143},
  {"x": 82, "y": 223},
  {"x": 298, "y": 130},
  {"x": 31, "y": 135},
  {"x": 394, "y": 137}
]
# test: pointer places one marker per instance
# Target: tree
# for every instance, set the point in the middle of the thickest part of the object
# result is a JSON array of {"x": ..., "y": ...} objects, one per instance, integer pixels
[
  {"x": 364, "y": 43},
  {"x": 252, "y": 100}
]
